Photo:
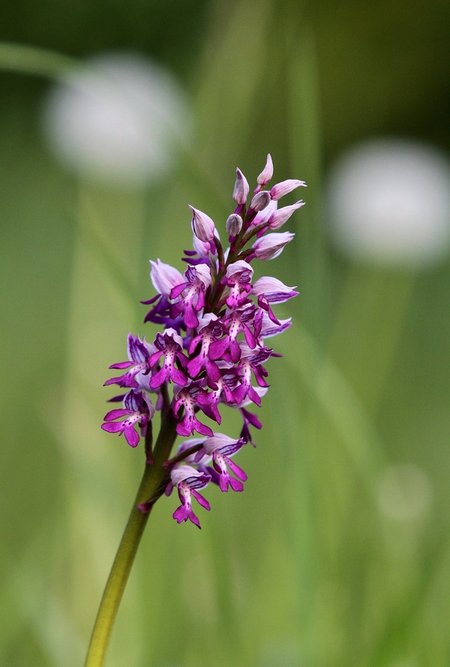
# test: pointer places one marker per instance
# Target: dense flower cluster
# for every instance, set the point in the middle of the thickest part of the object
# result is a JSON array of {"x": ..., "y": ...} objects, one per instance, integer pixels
[{"x": 212, "y": 349}]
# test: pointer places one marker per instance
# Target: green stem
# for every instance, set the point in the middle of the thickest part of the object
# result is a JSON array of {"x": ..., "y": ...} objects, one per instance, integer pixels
[{"x": 150, "y": 489}]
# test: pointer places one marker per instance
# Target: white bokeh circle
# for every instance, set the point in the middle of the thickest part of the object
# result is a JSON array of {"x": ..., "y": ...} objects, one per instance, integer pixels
[
  {"x": 117, "y": 119},
  {"x": 388, "y": 202}
]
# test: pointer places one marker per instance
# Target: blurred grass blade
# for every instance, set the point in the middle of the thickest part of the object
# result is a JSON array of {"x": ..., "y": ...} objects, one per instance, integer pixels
[
  {"x": 232, "y": 72},
  {"x": 305, "y": 156},
  {"x": 33, "y": 60},
  {"x": 337, "y": 399}
]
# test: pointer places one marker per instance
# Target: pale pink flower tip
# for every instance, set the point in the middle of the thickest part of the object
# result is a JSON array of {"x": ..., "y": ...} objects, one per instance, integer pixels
[
  {"x": 267, "y": 172},
  {"x": 285, "y": 187},
  {"x": 202, "y": 225},
  {"x": 241, "y": 188}
]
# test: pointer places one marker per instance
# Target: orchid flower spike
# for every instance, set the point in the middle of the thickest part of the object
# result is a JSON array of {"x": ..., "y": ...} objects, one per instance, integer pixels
[{"x": 210, "y": 351}]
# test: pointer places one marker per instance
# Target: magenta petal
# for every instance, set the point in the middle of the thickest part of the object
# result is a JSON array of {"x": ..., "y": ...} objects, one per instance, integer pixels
[
  {"x": 190, "y": 316},
  {"x": 193, "y": 518},
  {"x": 158, "y": 378},
  {"x": 180, "y": 514},
  {"x": 215, "y": 414},
  {"x": 212, "y": 371},
  {"x": 182, "y": 359},
  {"x": 178, "y": 377},
  {"x": 235, "y": 484},
  {"x": 240, "y": 393},
  {"x": 118, "y": 380},
  {"x": 115, "y": 414},
  {"x": 113, "y": 427},
  {"x": 235, "y": 351},
  {"x": 122, "y": 364},
  {"x": 217, "y": 348},
  {"x": 223, "y": 482},
  {"x": 272, "y": 316},
  {"x": 155, "y": 357},
  {"x": 183, "y": 429},
  {"x": 251, "y": 418},
  {"x": 201, "y": 428},
  {"x": 200, "y": 301},
  {"x": 201, "y": 499},
  {"x": 236, "y": 469},
  {"x": 249, "y": 337},
  {"x": 194, "y": 366},
  {"x": 253, "y": 396},
  {"x": 176, "y": 291},
  {"x": 211, "y": 411},
  {"x": 131, "y": 436},
  {"x": 193, "y": 344}
]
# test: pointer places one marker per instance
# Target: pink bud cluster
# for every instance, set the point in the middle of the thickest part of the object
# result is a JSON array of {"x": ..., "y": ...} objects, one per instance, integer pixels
[{"x": 212, "y": 350}]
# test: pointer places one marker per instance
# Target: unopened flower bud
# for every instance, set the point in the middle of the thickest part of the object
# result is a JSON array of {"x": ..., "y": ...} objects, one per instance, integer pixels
[
  {"x": 271, "y": 245},
  {"x": 260, "y": 200},
  {"x": 202, "y": 225},
  {"x": 267, "y": 172},
  {"x": 283, "y": 188},
  {"x": 241, "y": 188},
  {"x": 282, "y": 215},
  {"x": 264, "y": 216},
  {"x": 234, "y": 224}
]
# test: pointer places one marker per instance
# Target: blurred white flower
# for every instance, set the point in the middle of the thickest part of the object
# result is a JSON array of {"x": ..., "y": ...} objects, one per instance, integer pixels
[
  {"x": 116, "y": 118},
  {"x": 404, "y": 491},
  {"x": 389, "y": 202}
]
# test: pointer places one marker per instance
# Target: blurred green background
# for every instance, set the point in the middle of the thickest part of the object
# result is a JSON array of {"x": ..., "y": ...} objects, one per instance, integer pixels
[{"x": 337, "y": 554}]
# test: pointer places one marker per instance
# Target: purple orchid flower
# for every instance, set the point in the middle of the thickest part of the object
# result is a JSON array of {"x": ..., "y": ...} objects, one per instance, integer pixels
[
  {"x": 138, "y": 366},
  {"x": 271, "y": 290},
  {"x": 186, "y": 404},
  {"x": 251, "y": 364},
  {"x": 209, "y": 331},
  {"x": 235, "y": 322},
  {"x": 164, "y": 278},
  {"x": 138, "y": 411},
  {"x": 170, "y": 346},
  {"x": 238, "y": 278},
  {"x": 220, "y": 448},
  {"x": 192, "y": 290},
  {"x": 187, "y": 480}
]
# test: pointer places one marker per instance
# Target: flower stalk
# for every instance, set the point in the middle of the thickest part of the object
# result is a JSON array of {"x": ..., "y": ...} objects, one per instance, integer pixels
[{"x": 153, "y": 483}]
